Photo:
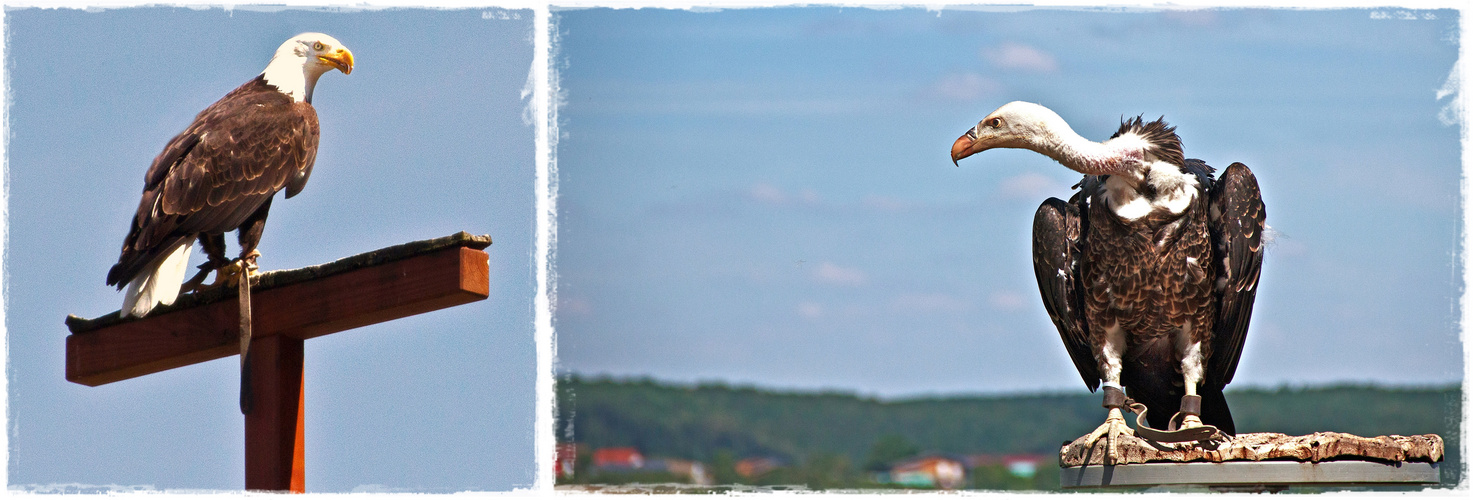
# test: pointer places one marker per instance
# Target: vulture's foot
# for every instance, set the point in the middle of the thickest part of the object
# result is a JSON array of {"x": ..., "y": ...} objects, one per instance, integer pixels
[
  {"x": 1113, "y": 430},
  {"x": 1193, "y": 433}
]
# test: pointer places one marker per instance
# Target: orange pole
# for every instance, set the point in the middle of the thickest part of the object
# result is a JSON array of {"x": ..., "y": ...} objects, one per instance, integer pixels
[{"x": 275, "y": 425}]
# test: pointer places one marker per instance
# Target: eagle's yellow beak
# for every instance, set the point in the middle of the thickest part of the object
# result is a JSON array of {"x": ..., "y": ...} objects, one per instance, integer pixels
[{"x": 342, "y": 59}]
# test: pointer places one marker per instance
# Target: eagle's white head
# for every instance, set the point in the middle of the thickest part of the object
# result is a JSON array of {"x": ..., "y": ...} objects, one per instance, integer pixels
[{"x": 299, "y": 62}]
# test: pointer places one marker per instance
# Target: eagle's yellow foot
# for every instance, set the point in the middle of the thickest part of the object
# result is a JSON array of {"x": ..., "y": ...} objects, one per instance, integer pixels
[
  {"x": 249, "y": 260},
  {"x": 197, "y": 283},
  {"x": 229, "y": 274},
  {"x": 1113, "y": 430},
  {"x": 1190, "y": 421}
]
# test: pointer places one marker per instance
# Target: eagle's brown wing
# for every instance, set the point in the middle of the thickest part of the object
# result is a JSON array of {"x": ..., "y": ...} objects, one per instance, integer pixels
[{"x": 235, "y": 155}]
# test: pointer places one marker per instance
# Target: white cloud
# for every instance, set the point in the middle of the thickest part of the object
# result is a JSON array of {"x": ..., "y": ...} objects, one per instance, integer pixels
[
  {"x": 928, "y": 303},
  {"x": 833, "y": 274},
  {"x": 965, "y": 87},
  {"x": 1032, "y": 186},
  {"x": 1006, "y": 300},
  {"x": 573, "y": 305},
  {"x": 885, "y": 203},
  {"x": 768, "y": 193},
  {"x": 1019, "y": 56},
  {"x": 809, "y": 196},
  {"x": 810, "y": 310}
]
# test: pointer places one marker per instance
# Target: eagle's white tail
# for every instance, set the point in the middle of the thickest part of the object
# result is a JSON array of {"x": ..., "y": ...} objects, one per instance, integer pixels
[{"x": 159, "y": 282}]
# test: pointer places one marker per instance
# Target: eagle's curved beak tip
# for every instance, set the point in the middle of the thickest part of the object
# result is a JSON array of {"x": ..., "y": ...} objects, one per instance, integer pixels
[{"x": 342, "y": 59}]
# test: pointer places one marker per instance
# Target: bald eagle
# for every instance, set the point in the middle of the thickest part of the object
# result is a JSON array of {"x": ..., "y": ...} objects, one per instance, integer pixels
[
  {"x": 220, "y": 174},
  {"x": 1149, "y": 271}
]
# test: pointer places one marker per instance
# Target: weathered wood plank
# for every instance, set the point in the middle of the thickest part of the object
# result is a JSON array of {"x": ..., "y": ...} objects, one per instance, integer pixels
[
  {"x": 1317, "y": 447},
  {"x": 369, "y": 291}
]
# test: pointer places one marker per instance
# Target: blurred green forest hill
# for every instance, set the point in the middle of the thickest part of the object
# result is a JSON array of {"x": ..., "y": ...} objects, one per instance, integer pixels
[{"x": 826, "y": 440}]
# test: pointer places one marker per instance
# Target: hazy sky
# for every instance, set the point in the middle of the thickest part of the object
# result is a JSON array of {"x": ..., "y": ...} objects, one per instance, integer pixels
[
  {"x": 424, "y": 139},
  {"x": 764, "y": 196}
]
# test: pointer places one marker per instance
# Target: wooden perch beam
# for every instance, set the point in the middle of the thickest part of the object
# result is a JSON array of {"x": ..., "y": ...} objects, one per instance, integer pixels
[{"x": 102, "y": 351}]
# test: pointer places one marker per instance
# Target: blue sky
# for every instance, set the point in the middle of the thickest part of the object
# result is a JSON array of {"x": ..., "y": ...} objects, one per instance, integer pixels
[
  {"x": 764, "y": 196},
  {"x": 424, "y": 139}
]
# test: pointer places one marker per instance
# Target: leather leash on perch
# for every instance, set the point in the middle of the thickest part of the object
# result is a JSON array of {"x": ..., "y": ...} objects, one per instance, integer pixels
[
  {"x": 1173, "y": 435},
  {"x": 244, "y": 292},
  {"x": 245, "y": 340}
]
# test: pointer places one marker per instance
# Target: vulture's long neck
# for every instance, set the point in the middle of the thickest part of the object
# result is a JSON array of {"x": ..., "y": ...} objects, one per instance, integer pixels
[
  {"x": 1143, "y": 161},
  {"x": 1123, "y": 155}
]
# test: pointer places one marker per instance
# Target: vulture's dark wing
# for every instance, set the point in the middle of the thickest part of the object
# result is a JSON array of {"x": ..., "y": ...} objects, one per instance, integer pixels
[
  {"x": 1058, "y": 228},
  {"x": 234, "y": 156},
  {"x": 1237, "y": 232}
]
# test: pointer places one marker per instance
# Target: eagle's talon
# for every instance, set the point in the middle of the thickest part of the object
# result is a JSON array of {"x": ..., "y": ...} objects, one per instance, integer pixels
[
  {"x": 250, "y": 260},
  {"x": 228, "y": 274},
  {"x": 247, "y": 263}
]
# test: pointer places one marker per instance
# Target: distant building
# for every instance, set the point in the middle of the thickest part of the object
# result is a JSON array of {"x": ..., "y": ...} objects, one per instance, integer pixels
[
  {"x": 1019, "y": 465},
  {"x": 931, "y": 471},
  {"x": 693, "y": 470},
  {"x": 629, "y": 459},
  {"x": 617, "y": 459},
  {"x": 567, "y": 458},
  {"x": 756, "y": 466}
]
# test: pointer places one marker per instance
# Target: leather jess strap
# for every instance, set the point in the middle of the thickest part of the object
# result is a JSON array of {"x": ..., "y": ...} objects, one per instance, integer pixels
[
  {"x": 1200, "y": 433},
  {"x": 1191, "y": 405}
]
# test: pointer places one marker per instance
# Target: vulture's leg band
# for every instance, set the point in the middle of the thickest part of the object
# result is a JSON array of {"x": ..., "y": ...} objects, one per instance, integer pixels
[
  {"x": 1114, "y": 397},
  {"x": 1191, "y": 405}
]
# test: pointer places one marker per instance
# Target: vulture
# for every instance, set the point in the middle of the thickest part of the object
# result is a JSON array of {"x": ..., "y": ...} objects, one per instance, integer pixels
[
  {"x": 1149, "y": 271},
  {"x": 220, "y": 174}
]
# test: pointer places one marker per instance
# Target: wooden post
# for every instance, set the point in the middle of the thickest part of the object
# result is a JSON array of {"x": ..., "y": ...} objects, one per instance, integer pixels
[
  {"x": 288, "y": 307},
  {"x": 274, "y": 427}
]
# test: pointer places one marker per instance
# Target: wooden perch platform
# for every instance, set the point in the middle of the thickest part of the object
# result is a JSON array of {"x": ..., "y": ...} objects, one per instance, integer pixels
[
  {"x": 364, "y": 289},
  {"x": 1317, "y": 447},
  {"x": 1263, "y": 459}
]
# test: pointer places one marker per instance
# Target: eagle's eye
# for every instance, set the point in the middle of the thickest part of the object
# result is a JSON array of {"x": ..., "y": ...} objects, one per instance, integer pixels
[
  {"x": 995, "y": 122},
  {"x": 317, "y": 46}
]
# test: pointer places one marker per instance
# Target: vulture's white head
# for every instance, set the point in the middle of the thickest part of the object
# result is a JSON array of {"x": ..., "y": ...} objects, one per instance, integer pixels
[
  {"x": 1016, "y": 124},
  {"x": 299, "y": 62},
  {"x": 1025, "y": 125}
]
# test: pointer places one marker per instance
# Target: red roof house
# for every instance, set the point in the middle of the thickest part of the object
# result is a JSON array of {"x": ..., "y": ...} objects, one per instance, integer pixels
[{"x": 618, "y": 458}]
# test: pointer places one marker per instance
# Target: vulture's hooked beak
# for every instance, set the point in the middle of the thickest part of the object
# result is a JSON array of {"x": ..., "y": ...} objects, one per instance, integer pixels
[
  {"x": 341, "y": 59},
  {"x": 966, "y": 145}
]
